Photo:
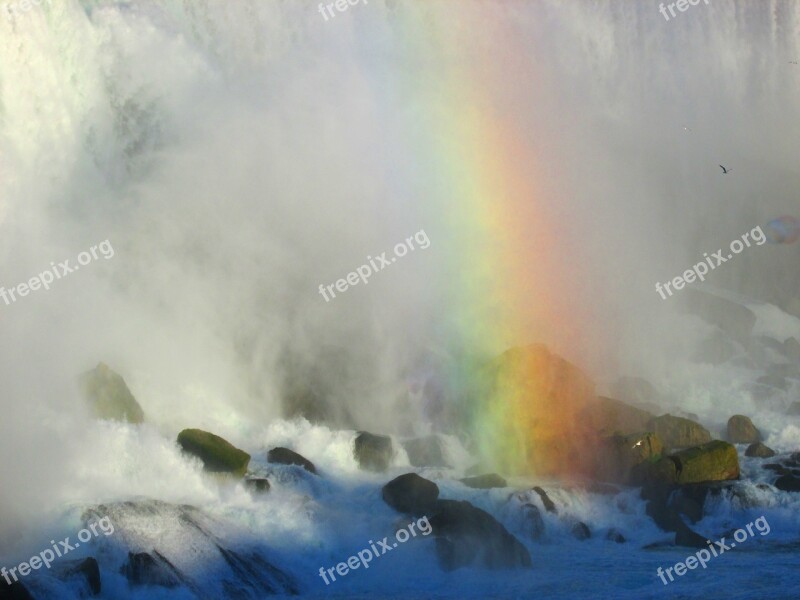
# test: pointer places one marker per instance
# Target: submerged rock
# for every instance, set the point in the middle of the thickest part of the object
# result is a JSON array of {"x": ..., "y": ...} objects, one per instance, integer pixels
[
  {"x": 257, "y": 485},
  {"x": 218, "y": 455},
  {"x": 15, "y": 591},
  {"x": 788, "y": 483},
  {"x": 581, "y": 531},
  {"x": 373, "y": 452},
  {"x": 143, "y": 568},
  {"x": 485, "y": 482},
  {"x": 533, "y": 522},
  {"x": 615, "y": 536},
  {"x": 677, "y": 432},
  {"x": 759, "y": 450},
  {"x": 426, "y": 451},
  {"x": 411, "y": 493},
  {"x": 548, "y": 504},
  {"x": 284, "y": 456},
  {"x": 742, "y": 431},
  {"x": 108, "y": 396},
  {"x": 468, "y": 536},
  {"x": 85, "y": 571}
]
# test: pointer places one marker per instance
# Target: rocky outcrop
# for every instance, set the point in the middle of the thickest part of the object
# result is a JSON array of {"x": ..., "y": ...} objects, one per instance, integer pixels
[
  {"x": 411, "y": 494},
  {"x": 217, "y": 455},
  {"x": 143, "y": 568},
  {"x": 284, "y": 456},
  {"x": 608, "y": 416},
  {"x": 715, "y": 461},
  {"x": 677, "y": 432},
  {"x": 108, "y": 396},
  {"x": 620, "y": 454},
  {"x": 485, "y": 482},
  {"x": 468, "y": 536},
  {"x": 373, "y": 452},
  {"x": 759, "y": 450},
  {"x": 426, "y": 451},
  {"x": 742, "y": 431},
  {"x": 548, "y": 504}
]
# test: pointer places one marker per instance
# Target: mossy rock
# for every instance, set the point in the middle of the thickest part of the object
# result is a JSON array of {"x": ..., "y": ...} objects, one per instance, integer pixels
[
  {"x": 218, "y": 455},
  {"x": 715, "y": 461},
  {"x": 109, "y": 397},
  {"x": 620, "y": 454}
]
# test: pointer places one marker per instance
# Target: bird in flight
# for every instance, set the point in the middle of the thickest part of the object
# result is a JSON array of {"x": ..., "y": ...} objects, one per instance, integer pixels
[{"x": 724, "y": 170}]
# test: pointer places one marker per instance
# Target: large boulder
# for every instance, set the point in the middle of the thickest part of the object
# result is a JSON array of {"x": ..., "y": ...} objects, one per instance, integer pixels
[
  {"x": 608, "y": 416},
  {"x": 759, "y": 450},
  {"x": 622, "y": 453},
  {"x": 715, "y": 461},
  {"x": 411, "y": 493},
  {"x": 468, "y": 536},
  {"x": 678, "y": 432},
  {"x": 108, "y": 396},
  {"x": 534, "y": 401},
  {"x": 742, "y": 431},
  {"x": 217, "y": 455},
  {"x": 284, "y": 456},
  {"x": 373, "y": 452},
  {"x": 426, "y": 451}
]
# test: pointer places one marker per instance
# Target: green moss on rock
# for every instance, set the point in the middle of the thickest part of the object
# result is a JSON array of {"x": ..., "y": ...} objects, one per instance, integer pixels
[
  {"x": 109, "y": 397},
  {"x": 715, "y": 461},
  {"x": 218, "y": 455}
]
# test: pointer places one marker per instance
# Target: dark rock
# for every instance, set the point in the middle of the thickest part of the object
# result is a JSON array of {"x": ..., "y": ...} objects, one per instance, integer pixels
[
  {"x": 788, "y": 483},
  {"x": 615, "y": 536},
  {"x": 759, "y": 450},
  {"x": 217, "y": 455},
  {"x": 689, "y": 539},
  {"x": 485, "y": 482},
  {"x": 373, "y": 452},
  {"x": 257, "y": 485},
  {"x": 534, "y": 524},
  {"x": 108, "y": 396},
  {"x": 677, "y": 432},
  {"x": 142, "y": 568},
  {"x": 581, "y": 531},
  {"x": 411, "y": 493},
  {"x": 779, "y": 469},
  {"x": 426, "y": 452},
  {"x": 86, "y": 571},
  {"x": 15, "y": 591},
  {"x": 548, "y": 504},
  {"x": 284, "y": 456},
  {"x": 469, "y": 536},
  {"x": 742, "y": 431}
]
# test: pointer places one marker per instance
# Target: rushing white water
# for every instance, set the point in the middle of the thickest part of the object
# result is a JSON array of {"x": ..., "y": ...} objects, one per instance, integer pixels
[{"x": 235, "y": 155}]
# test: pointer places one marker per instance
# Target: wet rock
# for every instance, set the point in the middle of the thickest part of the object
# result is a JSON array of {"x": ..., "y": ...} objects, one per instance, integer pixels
[
  {"x": 257, "y": 485},
  {"x": 373, "y": 452},
  {"x": 534, "y": 524},
  {"x": 411, "y": 493},
  {"x": 548, "y": 504},
  {"x": 689, "y": 539},
  {"x": 468, "y": 536},
  {"x": 677, "y": 432},
  {"x": 426, "y": 452},
  {"x": 742, "y": 431},
  {"x": 759, "y": 450},
  {"x": 715, "y": 461},
  {"x": 615, "y": 536},
  {"x": 608, "y": 416},
  {"x": 581, "y": 531},
  {"x": 217, "y": 455},
  {"x": 284, "y": 456},
  {"x": 142, "y": 568},
  {"x": 788, "y": 483},
  {"x": 485, "y": 482},
  {"x": 86, "y": 572},
  {"x": 779, "y": 469},
  {"x": 620, "y": 454},
  {"x": 15, "y": 591},
  {"x": 108, "y": 396}
]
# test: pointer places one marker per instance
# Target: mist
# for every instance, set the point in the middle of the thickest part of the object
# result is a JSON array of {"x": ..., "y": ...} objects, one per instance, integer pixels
[{"x": 238, "y": 155}]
